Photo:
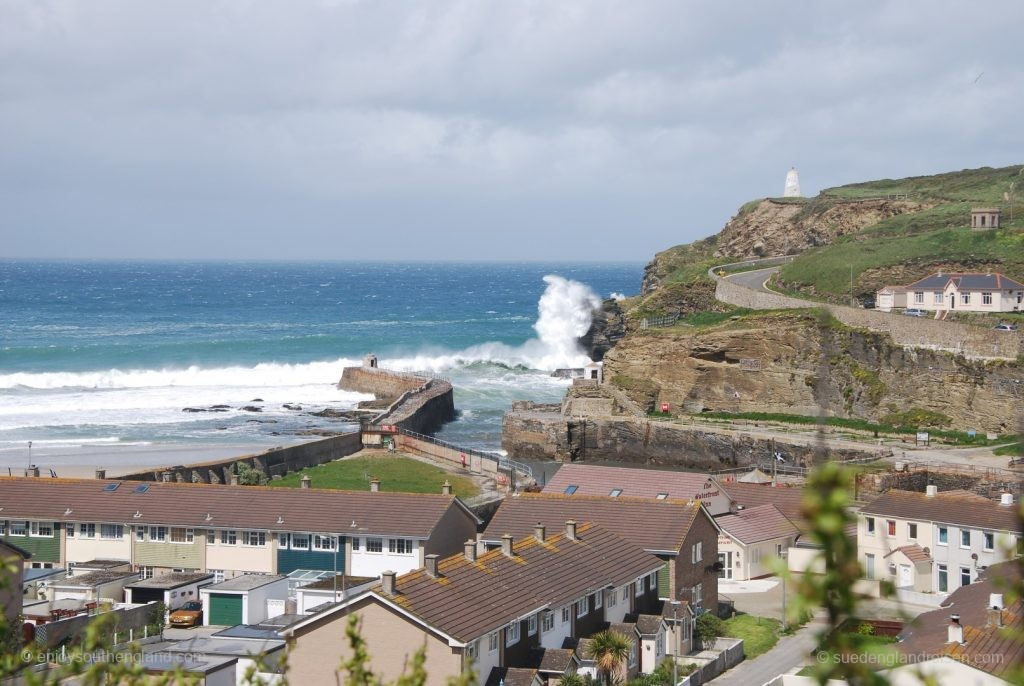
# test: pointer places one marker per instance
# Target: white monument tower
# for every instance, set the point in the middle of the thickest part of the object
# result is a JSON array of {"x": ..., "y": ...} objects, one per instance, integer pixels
[{"x": 792, "y": 189}]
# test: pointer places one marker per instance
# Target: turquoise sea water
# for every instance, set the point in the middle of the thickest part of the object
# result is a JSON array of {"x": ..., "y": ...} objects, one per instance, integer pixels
[{"x": 111, "y": 352}]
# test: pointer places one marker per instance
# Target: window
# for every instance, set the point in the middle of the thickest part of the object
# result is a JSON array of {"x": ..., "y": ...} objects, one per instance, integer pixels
[
  {"x": 698, "y": 595},
  {"x": 211, "y": 537},
  {"x": 492, "y": 641},
  {"x": 140, "y": 533},
  {"x": 228, "y": 537},
  {"x": 3, "y": 527},
  {"x": 111, "y": 532},
  {"x": 632, "y": 654},
  {"x": 69, "y": 527},
  {"x": 625, "y": 593},
  {"x": 547, "y": 623},
  {"x": 616, "y": 492},
  {"x": 282, "y": 540},
  {"x": 990, "y": 540},
  {"x": 912, "y": 531},
  {"x": 778, "y": 550},
  {"x": 569, "y": 490},
  {"x": 532, "y": 625},
  {"x": 87, "y": 530},
  {"x": 986, "y": 298},
  {"x": 943, "y": 536},
  {"x": 638, "y": 587},
  {"x": 375, "y": 545},
  {"x": 254, "y": 539},
  {"x": 512, "y": 633},
  {"x": 581, "y": 608},
  {"x": 179, "y": 535},
  {"x": 300, "y": 541},
  {"x": 697, "y": 552},
  {"x": 937, "y": 298},
  {"x": 218, "y": 575},
  {"x": 965, "y": 538},
  {"x": 19, "y": 528},
  {"x": 565, "y": 615},
  {"x": 755, "y": 555},
  {"x": 355, "y": 543},
  {"x": 471, "y": 649},
  {"x": 324, "y": 543},
  {"x": 145, "y": 572},
  {"x": 652, "y": 581},
  {"x": 400, "y": 546},
  {"x": 943, "y": 579},
  {"x": 41, "y": 529},
  {"x": 661, "y": 496},
  {"x": 870, "y": 521},
  {"x": 890, "y": 527},
  {"x": 598, "y": 600},
  {"x": 613, "y": 598},
  {"x": 869, "y": 566},
  {"x": 919, "y": 297},
  {"x": 965, "y": 298},
  {"x": 965, "y": 576}
]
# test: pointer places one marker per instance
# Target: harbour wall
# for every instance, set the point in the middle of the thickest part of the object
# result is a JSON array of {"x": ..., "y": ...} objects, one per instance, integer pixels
[{"x": 419, "y": 403}]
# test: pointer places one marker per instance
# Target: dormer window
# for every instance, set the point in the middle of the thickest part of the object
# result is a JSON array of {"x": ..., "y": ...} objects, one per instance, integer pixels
[{"x": 570, "y": 489}]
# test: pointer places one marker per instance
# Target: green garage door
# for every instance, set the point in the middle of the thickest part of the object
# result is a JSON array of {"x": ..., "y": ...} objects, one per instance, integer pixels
[{"x": 225, "y": 609}]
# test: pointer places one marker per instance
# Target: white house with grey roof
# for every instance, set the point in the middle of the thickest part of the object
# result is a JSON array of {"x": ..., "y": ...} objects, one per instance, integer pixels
[{"x": 966, "y": 292}]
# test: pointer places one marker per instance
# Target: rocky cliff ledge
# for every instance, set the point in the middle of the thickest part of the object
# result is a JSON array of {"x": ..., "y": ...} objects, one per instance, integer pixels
[{"x": 789, "y": 363}]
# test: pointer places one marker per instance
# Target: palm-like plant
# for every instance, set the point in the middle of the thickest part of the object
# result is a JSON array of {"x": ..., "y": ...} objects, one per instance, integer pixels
[{"x": 609, "y": 650}]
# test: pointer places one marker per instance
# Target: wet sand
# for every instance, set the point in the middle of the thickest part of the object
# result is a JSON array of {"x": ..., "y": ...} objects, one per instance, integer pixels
[{"x": 83, "y": 461}]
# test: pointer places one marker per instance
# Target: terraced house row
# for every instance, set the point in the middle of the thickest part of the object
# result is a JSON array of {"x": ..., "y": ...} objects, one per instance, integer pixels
[{"x": 228, "y": 530}]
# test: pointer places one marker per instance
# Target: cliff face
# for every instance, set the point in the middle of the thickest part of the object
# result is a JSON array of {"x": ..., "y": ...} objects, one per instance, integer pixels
[
  {"x": 606, "y": 329},
  {"x": 789, "y": 364}
]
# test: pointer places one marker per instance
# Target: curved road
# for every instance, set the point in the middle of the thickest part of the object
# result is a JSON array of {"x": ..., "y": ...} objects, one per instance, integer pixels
[{"x": 754, "y": 279}]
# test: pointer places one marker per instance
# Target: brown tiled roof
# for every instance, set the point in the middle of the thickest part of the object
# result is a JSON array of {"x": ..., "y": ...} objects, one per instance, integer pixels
[
  {"x": 990, "y": 649},
  {"x": 343, "y": 581},
  {"x": 761, "y": 523},
  {"x": 553, "y": 660},
  {"x": 788, "y": 499},
  {"x": 648, "y": 625},
  {"x": 470, "y": 599},
  {"x": 958, "y": 509},
  {"x": 638, "y": 483},
  {"x": 511, "y": 676},
  {"x": 655, "y": 525},
  {"x": 242, "y": 507},
  {"x": 913, "y": 552}
]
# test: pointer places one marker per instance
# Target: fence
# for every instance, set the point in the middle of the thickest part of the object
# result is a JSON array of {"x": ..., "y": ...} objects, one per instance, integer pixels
[
  {"x": 659, "y": 322},
  {"x": 501, "y": 462}
]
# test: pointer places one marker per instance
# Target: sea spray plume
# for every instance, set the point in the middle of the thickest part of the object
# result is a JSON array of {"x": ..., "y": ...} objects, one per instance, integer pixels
[{"x": 565, "y": 311}]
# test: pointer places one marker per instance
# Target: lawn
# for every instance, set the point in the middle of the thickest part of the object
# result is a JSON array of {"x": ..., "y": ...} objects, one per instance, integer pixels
[
  {"x": 396, "y": 473},
  {"x": 759, "y": 634}
]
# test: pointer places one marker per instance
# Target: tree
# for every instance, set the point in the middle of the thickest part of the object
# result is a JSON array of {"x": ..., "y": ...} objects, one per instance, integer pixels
[
  {"x": 709, "y": 627},
  {"x": 609, "y": 649}
]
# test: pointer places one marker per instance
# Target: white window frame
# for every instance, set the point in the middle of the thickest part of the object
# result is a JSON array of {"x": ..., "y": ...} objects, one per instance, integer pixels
[
  {"x": 145, "y": 572},
  {"x": 566, "y": 615},
  {"x": 69, "y": 529},
  {"x": 35, "y": 528},
  {"x": 211, "y": 537},
  {"x": 986, "y": 298},
  {"x": 598, "y": 600},
  {"x": 625, "y": 593},
  {"x": 638, "y": 587},
  {"x": 919, "y": 297},
  {"x": 698, "y": 595},
  {"x": 512, "y": 633},
  {"x": 324, "y": 543},
  {"x": 869, "y": 526},
  {"x": 965, "y": 533},
  {"x": 3, "y": 527},
  {"x": 378, "y": 543},
  {"x": 300, "y": 542},
  {"x": 400, "y": 546},
  {"x": 531, "y": 625},
  {"x": 140, "y": 532},
  {"x": 615, "y": 493},
  {"x": 228, "y": 537},
  {"x": 19, "y": 527},
  {"x": 652, "y": 580},
  {"x": 582, "y": 607},
  {"x": 547, "y": 622},
  {"x": 988, "y": 541},
  {"x": 938, "y": 298},
  {"x": 613, "y": 598},
  {"x": 965, "y": 298},
  {"x": 259, "y": 536},
  {"x": 965, "y": 572},
  {"x": 180, "y": 532},
  {"x": 87, "y": 530},
  {"x": 492, "y": 642},
  {"x": 355, "y": 543},
  {"x": 111, "y": 532},
  {"x": 938, "y": 535},
  {"x": 890, "y": 526},
  {"x": 912, "y": 531},
  {"x": 697, "y": 552},
  {"x": 471, "y": 651},
  {"x": 869, "y": 566},
  {"x": 218, "y": 575},
  {"x": 940, "y": 570}
]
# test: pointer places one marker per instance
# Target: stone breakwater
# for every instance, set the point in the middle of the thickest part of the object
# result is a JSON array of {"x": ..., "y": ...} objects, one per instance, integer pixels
[{"x": 415, "y": 403}]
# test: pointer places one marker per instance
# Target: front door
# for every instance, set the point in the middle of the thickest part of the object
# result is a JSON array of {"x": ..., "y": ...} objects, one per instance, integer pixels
[
  {"x": 952, "y": 301},
  {"x": 725, "y": 560},
  {"x": 906, "y": 577}
]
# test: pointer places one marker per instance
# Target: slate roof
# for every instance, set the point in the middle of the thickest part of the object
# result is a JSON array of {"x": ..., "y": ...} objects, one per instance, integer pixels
[
  {"x": 412, "y": 515},
  {"x": 968, "y": 281},
  {"x": 756, "y": 524},
  {"x": 648, "y": 625},
  {"x": 958, "y": 509},
  {"x": 553, "y": 660},
  {"x": 913, "y": 552},
  {"x": 990, "y": 649},
  {"x": 655, "y": 525},
  {"x": 470, "y": 599},
  {"x": 637, "y": 483},
  {"x": 511, "y": 676}
]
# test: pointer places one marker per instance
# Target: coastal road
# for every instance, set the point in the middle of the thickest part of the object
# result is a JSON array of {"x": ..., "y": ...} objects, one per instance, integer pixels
[
  {"x": 754, "y": 279},
  {"x": 789, "y": 652}
]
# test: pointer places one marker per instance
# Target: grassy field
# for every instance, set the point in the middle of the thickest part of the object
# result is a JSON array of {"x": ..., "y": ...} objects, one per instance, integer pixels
[
  {"x": 759, "y": 634},
  {"x": 396, "y": 473}
]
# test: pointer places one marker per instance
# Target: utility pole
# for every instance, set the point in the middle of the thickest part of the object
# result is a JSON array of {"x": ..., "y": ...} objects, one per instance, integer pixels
[
  {"x": 852, "y": 304},
  {"x": 30, "y": 455},
  {"x": 785, "y": 623},
  {"x": 678, "y": 642}
]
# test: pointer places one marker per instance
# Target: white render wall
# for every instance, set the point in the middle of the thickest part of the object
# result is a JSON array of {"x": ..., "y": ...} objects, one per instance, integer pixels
[
  {"x": 254, "y": 607},
  {"x": 365, "y": 563},
  {"x": 554, "y": 638}
]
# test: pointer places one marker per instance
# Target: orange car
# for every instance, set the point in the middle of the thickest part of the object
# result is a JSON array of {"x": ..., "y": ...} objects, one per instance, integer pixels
[{"x": 189, "y": 614}]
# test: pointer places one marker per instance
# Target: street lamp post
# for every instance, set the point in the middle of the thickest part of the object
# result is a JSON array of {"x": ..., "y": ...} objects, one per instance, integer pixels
[
  {"x": 678, "y": 646},
  {"x": 785, "y": 624},
  {"x": 30, "y": 455}
]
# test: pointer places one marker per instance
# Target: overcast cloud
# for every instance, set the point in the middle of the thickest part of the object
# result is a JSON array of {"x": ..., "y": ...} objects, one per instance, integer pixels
[{"x": 546, "y": 129}]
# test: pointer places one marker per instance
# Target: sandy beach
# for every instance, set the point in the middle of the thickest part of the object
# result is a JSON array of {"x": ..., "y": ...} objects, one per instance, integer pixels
[{"x": 83, "y": 461}]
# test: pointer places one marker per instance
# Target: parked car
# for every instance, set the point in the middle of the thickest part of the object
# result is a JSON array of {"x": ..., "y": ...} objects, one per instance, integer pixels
[
  {"x": 1006, "y": 327},
  {"x": 915, "y": 312},
  {"x": 189, "y": 614},
  {"x": 867, "y": 302}
]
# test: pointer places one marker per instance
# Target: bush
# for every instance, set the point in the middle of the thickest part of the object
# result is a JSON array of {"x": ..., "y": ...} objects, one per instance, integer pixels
[
  {"x": 865, "y": 629},
  {"x": 709, "y": 627}
]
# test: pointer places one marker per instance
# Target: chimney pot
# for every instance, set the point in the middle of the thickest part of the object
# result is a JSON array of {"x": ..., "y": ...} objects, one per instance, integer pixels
[
  {"x": 570, "y": 529},
  {"x": 955, "y": 631},
  {"x": 166, "y": 477},
  {"x": 101, "y": 473},
  {"x": 469, "y": 549},
  {"x": 430, "y": 562},
  {"x": 539, "y": 531},
  {"x": 305, "y": 481},
  {"x": 232, "y": 480},
  {"x": 387, "y": 580},
  {"x": 446, "y": 488},
  {"x": 995, "y": 601},
  {"x": 995, "y": 618},
  {"x": 506, "y": 545},
  {"x": 1006, "y": 499},
  {"x": 374, "y": 485},
  {"x": 932, "y": 490}
]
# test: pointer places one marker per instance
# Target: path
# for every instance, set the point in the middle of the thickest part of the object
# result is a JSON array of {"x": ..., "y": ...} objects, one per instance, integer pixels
[
  {"x": 756, "y": 279},
  {"x": 789, "y": 652}
]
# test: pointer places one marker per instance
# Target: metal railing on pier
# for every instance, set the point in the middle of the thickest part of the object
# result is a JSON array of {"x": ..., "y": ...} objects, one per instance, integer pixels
[{"x": 504, "y": 463}]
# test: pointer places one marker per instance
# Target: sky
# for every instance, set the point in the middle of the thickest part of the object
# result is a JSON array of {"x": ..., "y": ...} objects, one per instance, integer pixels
[{"x": 473, "y": 130}]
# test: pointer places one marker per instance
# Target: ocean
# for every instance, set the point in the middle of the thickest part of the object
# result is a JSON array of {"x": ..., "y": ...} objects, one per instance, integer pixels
[{"x": 96, "y": 354}]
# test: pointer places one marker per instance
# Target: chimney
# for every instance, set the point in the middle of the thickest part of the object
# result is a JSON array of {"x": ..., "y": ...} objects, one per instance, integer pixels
[
  {"x": 374, "y": 485},
  {"x": 33, "y": 471},
  {"x": 994, "y": 620},
  {"x": 232, "y": 479},
  {"x": 101, "y": 473},
  {"x": 166, "y": 477},
  {"x": 995, "y": 601},
  {"x": 538, "y": 532},
  {"x": 430, "y": 562},
  {"x": 387, "y": 580},
  {"x": 446, "y": 488},
  {"x": 955, "y": 630},
  {"x": 469, "y": 549},
  {"x": 1006, "y": 499},
  {"x": 931, "y": 491},
  {"x": 506, "y": 545},
  {"x": 570, "y": 529},
  {"x": 305, "y": 481}
]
